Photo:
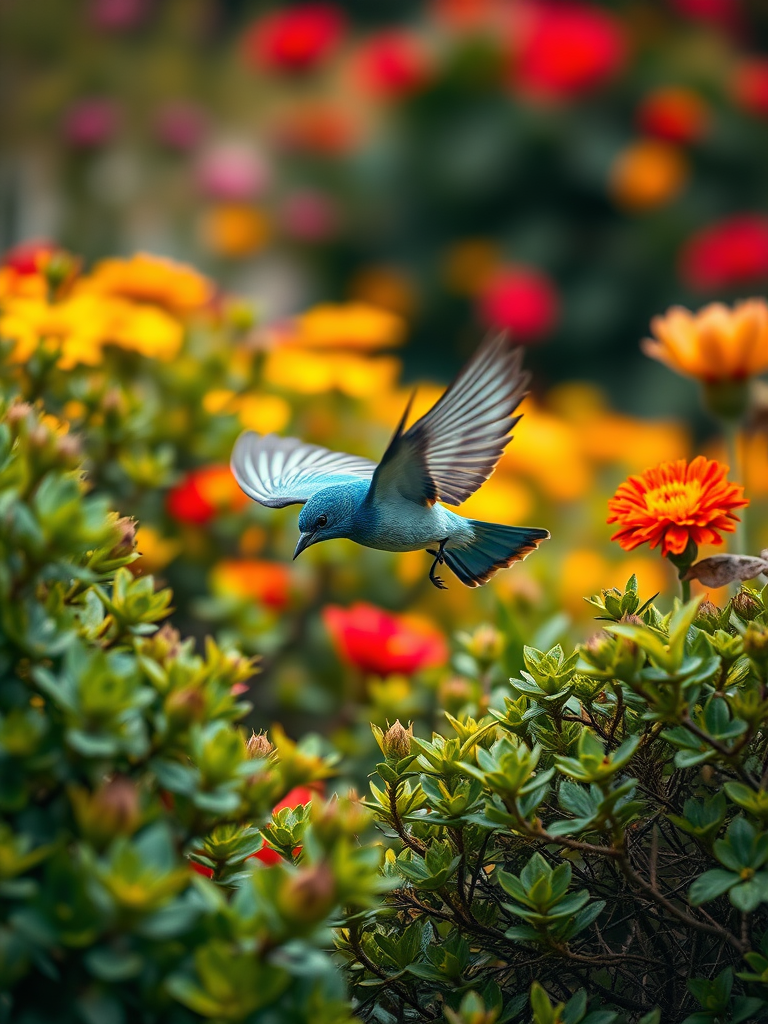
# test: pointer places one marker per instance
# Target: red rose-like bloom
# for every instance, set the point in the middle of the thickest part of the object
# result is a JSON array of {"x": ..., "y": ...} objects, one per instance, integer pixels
[
  {"x": 28, "y": 257},
  {"x": 392, "y": 64},
  {"x": 265, "y": 582},
  {"x": 202, "y": 494},
  {"x": 380, "y": 643},
  {"x": 296, "y": 39},
  {"x": 676, "y": 502},
  {"x": 674, "y": 114},
  {"x": 750, "y": 87},
  {"x": 728, "y": 254},
  {"x": 521, "y": 300},
  {"x": 570, "y": 49}
]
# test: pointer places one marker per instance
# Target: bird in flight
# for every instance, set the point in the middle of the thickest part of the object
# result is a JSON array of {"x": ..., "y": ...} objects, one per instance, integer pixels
[{"x": 397, "y": 505}]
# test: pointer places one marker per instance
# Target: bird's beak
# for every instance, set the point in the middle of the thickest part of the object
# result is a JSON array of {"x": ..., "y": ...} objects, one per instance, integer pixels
[{"x": 305, "y": 539}]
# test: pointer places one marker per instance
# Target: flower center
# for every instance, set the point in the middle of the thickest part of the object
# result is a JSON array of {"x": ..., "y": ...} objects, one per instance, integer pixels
[{"x": 673, "y": 500}]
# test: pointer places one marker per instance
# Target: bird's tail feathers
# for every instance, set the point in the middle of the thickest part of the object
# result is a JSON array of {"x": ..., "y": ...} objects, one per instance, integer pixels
[{"x": 494, "y": 547}]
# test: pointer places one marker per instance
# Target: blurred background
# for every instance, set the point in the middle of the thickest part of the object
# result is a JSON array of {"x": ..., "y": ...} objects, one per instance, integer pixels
[
  {"x": 566, "y": 170},
  {"x": 383, "y": 181}
]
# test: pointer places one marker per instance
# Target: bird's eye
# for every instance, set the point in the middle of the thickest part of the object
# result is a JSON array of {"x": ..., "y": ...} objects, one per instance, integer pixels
[{"x": 321, "y": 521}]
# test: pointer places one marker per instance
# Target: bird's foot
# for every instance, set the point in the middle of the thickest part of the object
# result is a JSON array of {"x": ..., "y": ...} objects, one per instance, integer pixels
[{"x": 439, "y": 559}]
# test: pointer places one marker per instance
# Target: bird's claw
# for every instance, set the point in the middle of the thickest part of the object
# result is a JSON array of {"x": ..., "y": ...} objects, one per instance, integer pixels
[{"x": 438, "y": 583}]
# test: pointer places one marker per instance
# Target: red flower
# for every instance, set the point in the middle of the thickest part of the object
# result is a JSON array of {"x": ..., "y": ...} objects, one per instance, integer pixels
[
  {"x": 295, "y": 40},
  {"x": 674, "y": 114},
  {"x": 726, "y": 13},
  {"x": 569, "y": 49},
  {"x": 28, "y": 257},
  {"x": 750, "y": 86},
  {"x": 676, "y": 502},
  {"x": 392, "y": 64},
  {"x": 203, "y": 493},
  {"x": 521, "y": 300},
  {"x": 380, "y": 643},
  {"x": 728, "y": 254}
]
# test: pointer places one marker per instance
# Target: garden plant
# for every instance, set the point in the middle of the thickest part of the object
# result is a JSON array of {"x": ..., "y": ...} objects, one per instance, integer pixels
[{"x": 574, "y": 828}]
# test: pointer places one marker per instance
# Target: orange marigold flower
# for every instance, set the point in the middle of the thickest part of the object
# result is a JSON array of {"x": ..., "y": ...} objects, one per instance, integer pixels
[
  {"x": 674, "y": 503},
  {"x": 714, "y": 344},
  {"x": 152, "y": 279}
]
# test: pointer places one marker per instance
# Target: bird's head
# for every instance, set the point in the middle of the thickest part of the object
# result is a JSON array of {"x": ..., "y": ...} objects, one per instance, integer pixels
[{"x": 326, "y": 516}]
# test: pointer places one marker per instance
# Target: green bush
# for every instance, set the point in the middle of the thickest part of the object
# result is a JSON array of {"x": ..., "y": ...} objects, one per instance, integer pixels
[
  {"x": 121, "y": 764},
  {"x": 595, "y": 848}
]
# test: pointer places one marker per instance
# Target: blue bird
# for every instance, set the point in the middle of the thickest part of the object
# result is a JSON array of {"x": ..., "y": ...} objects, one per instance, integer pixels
[{"x": 396, "y": 505}]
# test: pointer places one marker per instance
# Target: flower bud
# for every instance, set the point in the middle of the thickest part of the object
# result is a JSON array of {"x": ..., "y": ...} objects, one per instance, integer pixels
[
  {"x": 756, "y": 642},
  {"x": 186, "y": 705},
  {"x": 112, "y": 810},
  {"x": 707, "y": 616},
  {"x": 69, "y": 449},
  {"x": 308, "y": 896},
  {"x": 486, "y": 644},
  {"x": 18, "y": 412},
  {"x": 259, "y": 746},
  {"x": 396, "y": 742},
  {"x": 746, "y": 605},
  {"x": 599, "y": 650},
  {"x": 126, "y": 538}
]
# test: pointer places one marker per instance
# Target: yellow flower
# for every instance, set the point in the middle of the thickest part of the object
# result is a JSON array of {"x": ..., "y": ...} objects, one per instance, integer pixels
[
  {"x": 266, "y": 414},
  {"x": 715, "y": 344},
  {"x": 351, "y": 325},
  {"x": 80, "y": 326},
  {"x": 647, "y": 174},
  {"x": 73, "y": 328},
  {"x": 312, "y": 373},
  {"x": 548, "y": 449},
  {"x": 151, "y": 279},
  {"x": 218, "y": 400},
  {"x": 584, "y": 571}
]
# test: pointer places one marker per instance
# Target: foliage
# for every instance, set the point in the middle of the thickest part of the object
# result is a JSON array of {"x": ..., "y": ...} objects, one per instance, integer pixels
[
  {"x": 600, "y": 831},
  {"x": 121, "y": 764}
]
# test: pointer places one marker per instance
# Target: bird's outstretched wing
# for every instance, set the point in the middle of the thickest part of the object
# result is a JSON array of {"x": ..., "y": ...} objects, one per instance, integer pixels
[
  {"x": 454, "y": 448},
  {"x": 279, "y": 471}
]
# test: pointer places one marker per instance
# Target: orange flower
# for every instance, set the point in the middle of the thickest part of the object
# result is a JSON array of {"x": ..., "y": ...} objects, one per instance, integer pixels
[
  {"x": 715, "y": 344},
  {"x": 674, "y": 503},
  {"x": 152, "y": 279},
  {"x": 267, "y": 583},
  {"x": 646, "y": 175}
]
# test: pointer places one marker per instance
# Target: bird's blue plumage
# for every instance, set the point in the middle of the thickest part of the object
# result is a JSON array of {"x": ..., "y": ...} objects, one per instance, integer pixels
[{"x": 396, "y": 505}]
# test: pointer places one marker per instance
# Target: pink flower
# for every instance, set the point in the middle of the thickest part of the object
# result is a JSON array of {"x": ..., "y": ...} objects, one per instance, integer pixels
[
  {"x": 309, "y": 216},
  {"x": 750, "y": 86},
  {"x": 117, "y": 15},
  {"x": 731, "y": 253},
  {"x": 180, "y": 125},
  {"x": 90, "y": 123},
  {"x": 522, "y": 300},
  {"x": 232, "y": 172}
]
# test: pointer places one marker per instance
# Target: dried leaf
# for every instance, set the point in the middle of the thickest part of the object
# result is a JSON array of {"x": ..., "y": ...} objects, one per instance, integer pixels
[{"x": 719, "y": 570}]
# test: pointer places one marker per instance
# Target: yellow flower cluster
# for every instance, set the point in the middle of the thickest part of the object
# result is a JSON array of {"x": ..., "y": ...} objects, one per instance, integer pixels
[{"x": 135, "y": 304}]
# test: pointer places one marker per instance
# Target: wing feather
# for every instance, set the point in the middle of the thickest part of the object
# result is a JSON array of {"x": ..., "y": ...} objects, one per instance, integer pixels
[
  {"x": 279, "y": 471},
  {"x": 454, "y": 448}
]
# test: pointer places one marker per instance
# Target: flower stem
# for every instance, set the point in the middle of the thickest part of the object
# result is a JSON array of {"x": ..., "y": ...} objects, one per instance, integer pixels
[
  {"x": 732, "y": 432},
  {"x": 685, "y": 588}
]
